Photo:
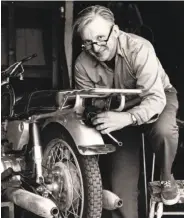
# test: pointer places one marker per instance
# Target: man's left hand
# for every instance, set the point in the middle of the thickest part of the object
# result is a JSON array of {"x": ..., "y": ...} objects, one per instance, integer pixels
[{"x": 109, "y": 121}]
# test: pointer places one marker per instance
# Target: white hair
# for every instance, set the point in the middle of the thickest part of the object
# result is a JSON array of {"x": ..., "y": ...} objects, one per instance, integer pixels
[{"x": 87, "y": 15}]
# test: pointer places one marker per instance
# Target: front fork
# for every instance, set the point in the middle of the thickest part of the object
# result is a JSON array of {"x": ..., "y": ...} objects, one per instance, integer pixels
[
  {"x": 37, "y": 156},
  {"x": 37, "y": 143}
]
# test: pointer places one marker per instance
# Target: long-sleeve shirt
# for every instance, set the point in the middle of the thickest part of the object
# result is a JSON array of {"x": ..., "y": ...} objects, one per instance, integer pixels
[{"x": 136, "y": 67}]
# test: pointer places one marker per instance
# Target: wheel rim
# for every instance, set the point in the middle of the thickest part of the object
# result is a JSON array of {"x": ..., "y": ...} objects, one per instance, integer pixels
[{"x": 61, "y": 162}]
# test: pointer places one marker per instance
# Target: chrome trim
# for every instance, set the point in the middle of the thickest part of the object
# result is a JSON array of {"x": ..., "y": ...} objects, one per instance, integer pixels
[
  {"x": 96, "y": 149},
  {"x": 37, "y": 153}
]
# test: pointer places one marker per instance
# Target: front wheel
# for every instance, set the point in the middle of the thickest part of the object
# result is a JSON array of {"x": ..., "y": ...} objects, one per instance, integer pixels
[{"x": 76, "y": 180}]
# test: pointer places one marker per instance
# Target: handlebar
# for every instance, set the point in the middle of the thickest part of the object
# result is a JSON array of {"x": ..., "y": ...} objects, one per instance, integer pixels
[
  {"x": 28, "y": 58},
  {"x": 12, "y": 68}
]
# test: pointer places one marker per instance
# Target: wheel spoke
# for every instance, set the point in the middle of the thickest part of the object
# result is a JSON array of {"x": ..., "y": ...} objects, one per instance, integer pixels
[
  {"x": 73, "y": 211},
  {"x": 63, "y": 215},
  {"x": 64, "y": 154},
  {"x": 57, "y": 157},
  {"x": 53, "y": 158},
  {"x": 75, "y": 171},
  {"x": 61, "y": 154}
]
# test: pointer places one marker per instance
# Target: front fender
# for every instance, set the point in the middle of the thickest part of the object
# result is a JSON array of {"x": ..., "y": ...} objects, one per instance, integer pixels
[{"x": 88, "y": 140}]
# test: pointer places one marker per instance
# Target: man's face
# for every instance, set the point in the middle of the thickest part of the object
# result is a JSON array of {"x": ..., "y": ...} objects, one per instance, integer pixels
[{"x": 98, "y": 30}]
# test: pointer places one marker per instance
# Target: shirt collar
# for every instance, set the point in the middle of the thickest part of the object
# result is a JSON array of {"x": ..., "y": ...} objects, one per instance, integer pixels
[{"x": 121, "y": 42}]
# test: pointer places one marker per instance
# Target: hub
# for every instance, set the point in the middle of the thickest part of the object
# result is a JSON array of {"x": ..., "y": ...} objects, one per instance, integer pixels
[{"x": 65, "y": 184}]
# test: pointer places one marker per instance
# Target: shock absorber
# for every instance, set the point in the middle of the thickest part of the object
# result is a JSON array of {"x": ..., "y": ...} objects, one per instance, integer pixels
[{"x": 37, "y": 153}]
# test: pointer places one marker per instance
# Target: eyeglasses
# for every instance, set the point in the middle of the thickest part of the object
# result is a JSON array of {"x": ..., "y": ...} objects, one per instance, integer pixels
[{"x": 88, "y": 45}]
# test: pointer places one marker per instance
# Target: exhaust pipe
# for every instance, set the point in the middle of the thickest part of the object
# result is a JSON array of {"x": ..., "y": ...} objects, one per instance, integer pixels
[
  {"x": 111, "y": 201},
  {"x": 36, "y": 204}
]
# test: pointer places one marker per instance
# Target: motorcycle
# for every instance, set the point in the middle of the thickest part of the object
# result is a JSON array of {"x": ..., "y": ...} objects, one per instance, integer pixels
[{"x": 50, "y": 149}]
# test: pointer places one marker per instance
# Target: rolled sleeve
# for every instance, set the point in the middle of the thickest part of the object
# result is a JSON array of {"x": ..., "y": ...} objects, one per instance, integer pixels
[{"x": 147, "y": 68}]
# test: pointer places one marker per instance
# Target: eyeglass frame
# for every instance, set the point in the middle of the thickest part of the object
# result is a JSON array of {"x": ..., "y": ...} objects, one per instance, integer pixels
[{"x": 96, "y": 43}]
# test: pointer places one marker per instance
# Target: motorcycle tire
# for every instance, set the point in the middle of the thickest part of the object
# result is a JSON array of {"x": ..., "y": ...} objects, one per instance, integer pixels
[{"x": 88, "y": 173}]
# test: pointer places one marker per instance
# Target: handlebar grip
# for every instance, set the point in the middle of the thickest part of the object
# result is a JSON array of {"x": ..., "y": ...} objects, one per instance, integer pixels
[{"x": 28, "y": 58}]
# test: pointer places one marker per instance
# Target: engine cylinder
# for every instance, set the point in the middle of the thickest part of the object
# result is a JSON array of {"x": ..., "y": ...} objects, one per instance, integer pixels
[{"x": 16, "y": 163}]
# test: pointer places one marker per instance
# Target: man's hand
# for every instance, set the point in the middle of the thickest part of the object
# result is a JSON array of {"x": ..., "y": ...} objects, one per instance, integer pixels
[{"x": 109, "y": 121}]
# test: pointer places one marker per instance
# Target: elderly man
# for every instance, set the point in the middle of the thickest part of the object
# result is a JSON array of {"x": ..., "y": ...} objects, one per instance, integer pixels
[{"x": 114, "y": 59}]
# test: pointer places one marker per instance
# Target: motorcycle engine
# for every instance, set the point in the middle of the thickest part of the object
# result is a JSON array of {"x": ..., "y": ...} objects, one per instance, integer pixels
[{"x": 10, "y": 166}]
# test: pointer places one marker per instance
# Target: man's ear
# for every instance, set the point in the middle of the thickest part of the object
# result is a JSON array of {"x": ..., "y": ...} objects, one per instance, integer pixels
[{"x": 116, "y": 30}]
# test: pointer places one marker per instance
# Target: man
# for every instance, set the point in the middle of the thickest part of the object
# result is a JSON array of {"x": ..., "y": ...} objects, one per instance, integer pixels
[{"x": 114, "y": 59}]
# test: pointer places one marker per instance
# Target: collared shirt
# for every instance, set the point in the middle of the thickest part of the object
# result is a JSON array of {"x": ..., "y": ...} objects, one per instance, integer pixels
[{"x": 136, "y": 67}]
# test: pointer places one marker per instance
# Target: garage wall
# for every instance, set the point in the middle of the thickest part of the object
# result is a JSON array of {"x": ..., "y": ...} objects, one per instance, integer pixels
[{"x": 35, "y": 27}]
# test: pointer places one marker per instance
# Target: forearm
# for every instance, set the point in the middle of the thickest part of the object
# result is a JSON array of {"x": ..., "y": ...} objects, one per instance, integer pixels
[
  {"x": 148, "y": 73},
  {"x": 149, "y": 109}
]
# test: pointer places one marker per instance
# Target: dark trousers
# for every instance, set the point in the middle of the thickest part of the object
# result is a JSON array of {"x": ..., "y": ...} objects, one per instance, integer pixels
[{"x": 163, "y": 140}]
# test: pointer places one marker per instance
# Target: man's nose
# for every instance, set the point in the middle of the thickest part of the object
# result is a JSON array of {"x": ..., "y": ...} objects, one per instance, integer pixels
[{"x": 96, "y": 48}]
